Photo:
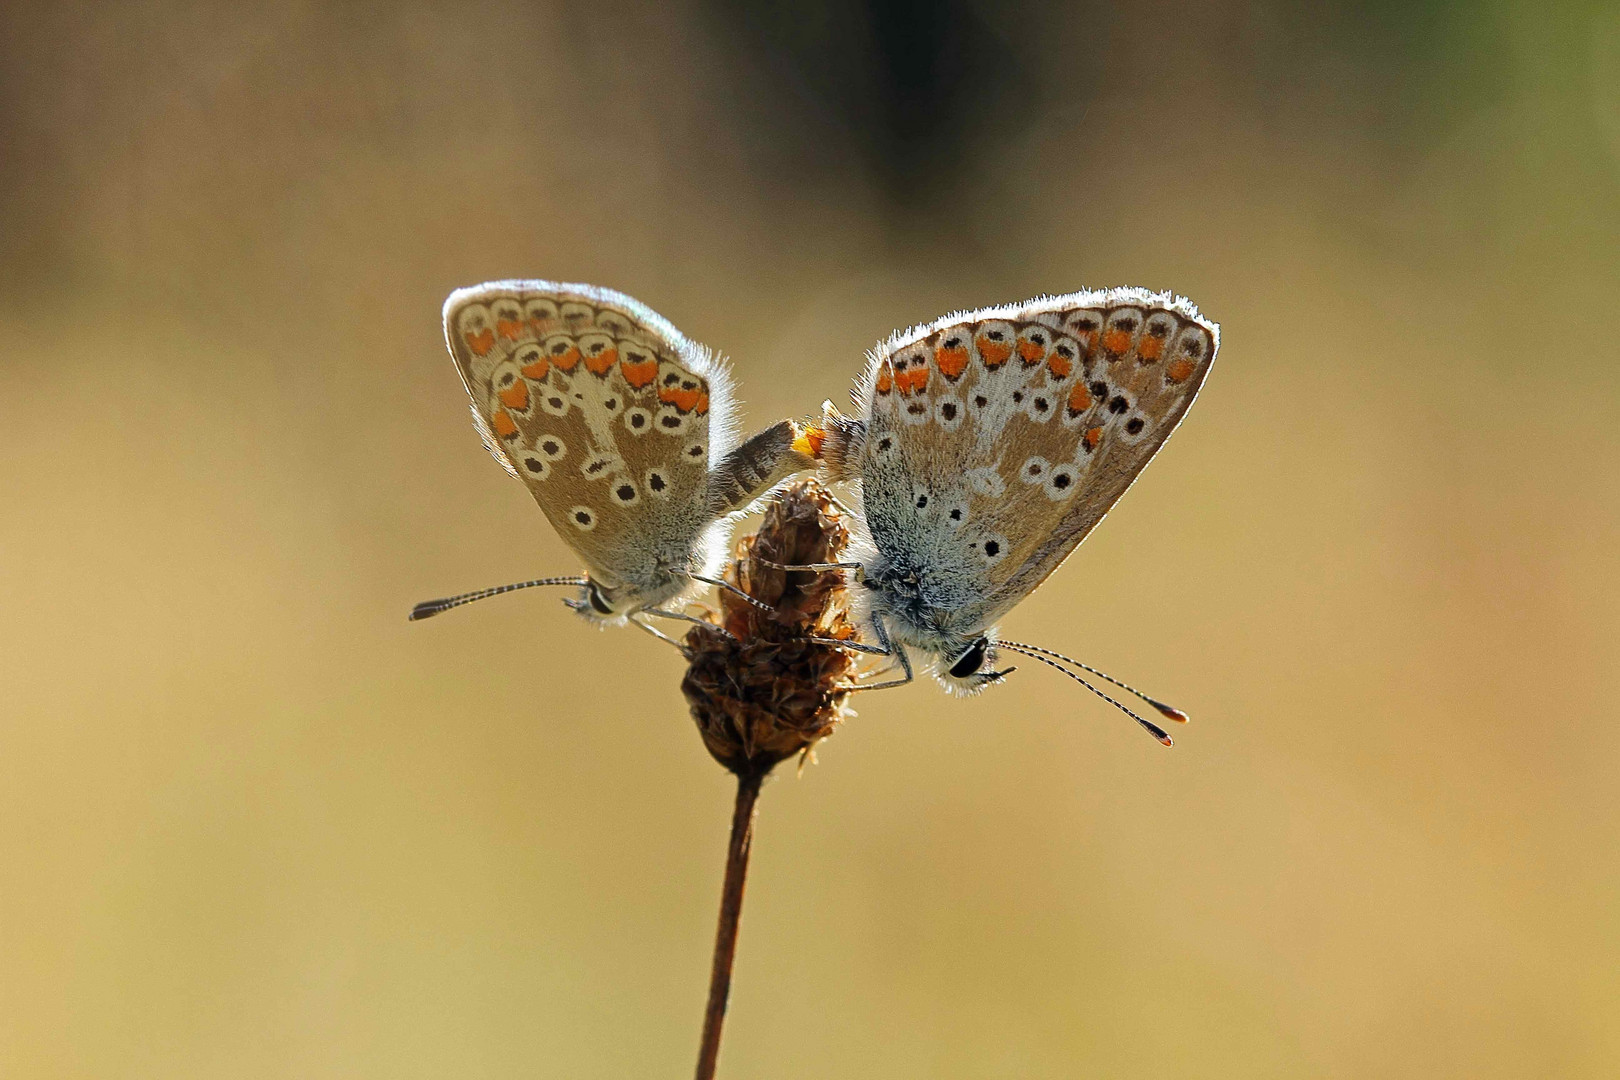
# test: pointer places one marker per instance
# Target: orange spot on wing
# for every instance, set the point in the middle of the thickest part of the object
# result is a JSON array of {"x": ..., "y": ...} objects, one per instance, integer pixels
[
  {"x": 503, "y": 424},
  {"x": 567, "y": 361},
  {"x": 516, "y": 396},
  {"x": 1151, "y": 348},
  {"x": 951, "y": 361},
  {"x": 993, "y": 353},
  {"x": 702, "y": 405},
  {"x": 509, "y": 328},
  {"x": 602, "y": 362},
  {"x": 639, "y": 375},
  {"x": 1031, "y": 352},
  {"x": 914, "y": 381},
  {"x": 1079, "y": 399},
  {"x": 1179, "y": 370},
  {"x": 1093, "y": 437},
  {"x": 536, "y": 368},
  {"x": 480, "y": 344},
  {"x": 684, "y": 400},
  {"x": 1058, "y": 366},
  {"x": 1116, "y": 341},
  {"x": 885, "y": 379}
]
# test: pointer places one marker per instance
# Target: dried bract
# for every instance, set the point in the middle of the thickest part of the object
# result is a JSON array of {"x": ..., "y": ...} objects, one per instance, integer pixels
[{"x": 767, "y": 692}]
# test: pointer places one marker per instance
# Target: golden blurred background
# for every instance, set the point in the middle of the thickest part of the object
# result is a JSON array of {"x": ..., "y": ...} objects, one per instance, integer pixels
[{"x": 255, "y": 824}]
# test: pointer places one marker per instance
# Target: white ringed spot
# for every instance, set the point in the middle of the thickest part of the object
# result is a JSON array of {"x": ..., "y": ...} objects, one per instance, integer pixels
[
  {"x": 1061, "y": 482},
  {"x": 638, "y": 420},
  {"x": 670, "y": 421}
]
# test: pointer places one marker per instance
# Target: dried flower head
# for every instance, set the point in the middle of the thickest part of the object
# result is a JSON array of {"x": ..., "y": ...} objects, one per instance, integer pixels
[{"x": 760, "y": 690}]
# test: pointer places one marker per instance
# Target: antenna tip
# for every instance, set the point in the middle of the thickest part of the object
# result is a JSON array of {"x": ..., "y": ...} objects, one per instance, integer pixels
[
  {"x": 424, "y": 609},
  {"x": 1169, "y": 713},
  {"x": 1167, "y": 740}
]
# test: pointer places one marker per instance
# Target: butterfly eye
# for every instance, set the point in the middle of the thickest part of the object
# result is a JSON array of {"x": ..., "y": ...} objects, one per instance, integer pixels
[
  {"x": 972, "y": 660},
  {"x": 599, "y": 602}
]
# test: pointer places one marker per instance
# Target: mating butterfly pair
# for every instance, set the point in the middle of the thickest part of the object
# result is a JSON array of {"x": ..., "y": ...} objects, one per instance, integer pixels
[{"x": 986, "y": 446}]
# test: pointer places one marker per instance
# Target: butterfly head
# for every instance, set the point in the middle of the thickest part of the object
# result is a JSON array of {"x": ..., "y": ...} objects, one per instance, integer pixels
[
  {"x": 971, "y": 667},
  {"x": 600, "y": 603}
]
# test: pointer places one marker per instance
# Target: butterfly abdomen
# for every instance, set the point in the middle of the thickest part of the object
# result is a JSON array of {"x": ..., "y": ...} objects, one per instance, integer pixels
[{"x": 758, "y": 465}]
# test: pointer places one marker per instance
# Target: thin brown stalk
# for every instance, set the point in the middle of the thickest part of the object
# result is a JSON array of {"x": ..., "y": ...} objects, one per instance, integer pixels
[
  {"x": 764, "y": 686},
  {"x": 725, "y": 938}
]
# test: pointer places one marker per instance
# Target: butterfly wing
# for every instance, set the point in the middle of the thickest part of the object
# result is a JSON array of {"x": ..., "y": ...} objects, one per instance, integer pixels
[
  {"x": 603, "y": 409},
  {"x": 995, "y": 440}
]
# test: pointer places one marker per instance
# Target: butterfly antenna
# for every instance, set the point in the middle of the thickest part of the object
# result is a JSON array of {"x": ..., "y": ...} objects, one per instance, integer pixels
[
  {"x": 433, "y": 607},
  {"x": 1167, "y": 711},
  {"x": 1153, "y": 729}
]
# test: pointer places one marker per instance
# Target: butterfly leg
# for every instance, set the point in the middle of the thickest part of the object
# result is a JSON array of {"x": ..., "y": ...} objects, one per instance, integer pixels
[
  {"x": 665, "y": 638},
  {"x": 857, "y": 567},
  {"x": 730, "y": 588},
  {"x": 889, "y": 648},
  {"x": 662, "y": 614},
  {"x": 852, "y": 646}
]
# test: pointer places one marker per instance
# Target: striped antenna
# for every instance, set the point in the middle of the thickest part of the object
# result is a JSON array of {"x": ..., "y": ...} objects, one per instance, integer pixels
[
  {"x": 1166, "y": 711},
  {"x": 1037, "y": 654},
  {"x": 432, "y": 607}
]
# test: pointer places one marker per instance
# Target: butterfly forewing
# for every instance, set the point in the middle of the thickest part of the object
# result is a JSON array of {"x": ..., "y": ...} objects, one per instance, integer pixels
[
  {"x": 601, "y": 407},
  {"x": 996, "y": 439}
]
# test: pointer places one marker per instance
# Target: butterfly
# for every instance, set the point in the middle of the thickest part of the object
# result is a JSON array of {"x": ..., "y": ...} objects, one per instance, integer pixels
[
  {"x": 986, "y": 445},
  {"x": 623, "y": 431}
]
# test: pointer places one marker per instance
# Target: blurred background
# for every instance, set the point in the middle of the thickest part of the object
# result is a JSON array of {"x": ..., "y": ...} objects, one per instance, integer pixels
[{"x": 252, "y": 823}]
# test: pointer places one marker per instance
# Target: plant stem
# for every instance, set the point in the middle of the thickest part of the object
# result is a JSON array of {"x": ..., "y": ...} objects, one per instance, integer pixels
[{"x": 725, "y": 939}]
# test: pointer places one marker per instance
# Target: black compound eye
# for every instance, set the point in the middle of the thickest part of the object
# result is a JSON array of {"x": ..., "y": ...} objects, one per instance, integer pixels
[
  {"x": 972, "y": 660},
  {"x": 599, "y": 602}
]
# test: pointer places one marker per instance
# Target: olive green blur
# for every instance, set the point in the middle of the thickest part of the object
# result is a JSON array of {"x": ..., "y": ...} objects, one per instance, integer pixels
[{"x": 255, "y": 824}]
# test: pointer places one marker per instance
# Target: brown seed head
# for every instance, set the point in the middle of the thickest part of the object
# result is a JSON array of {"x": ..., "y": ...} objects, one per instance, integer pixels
[{"x": 768, "y": 692}]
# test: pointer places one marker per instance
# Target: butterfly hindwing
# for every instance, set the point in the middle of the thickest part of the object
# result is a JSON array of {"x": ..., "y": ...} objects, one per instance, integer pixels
[
  {"x": 606, "y": 412},
  {"x": 994, "y": 440}
]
